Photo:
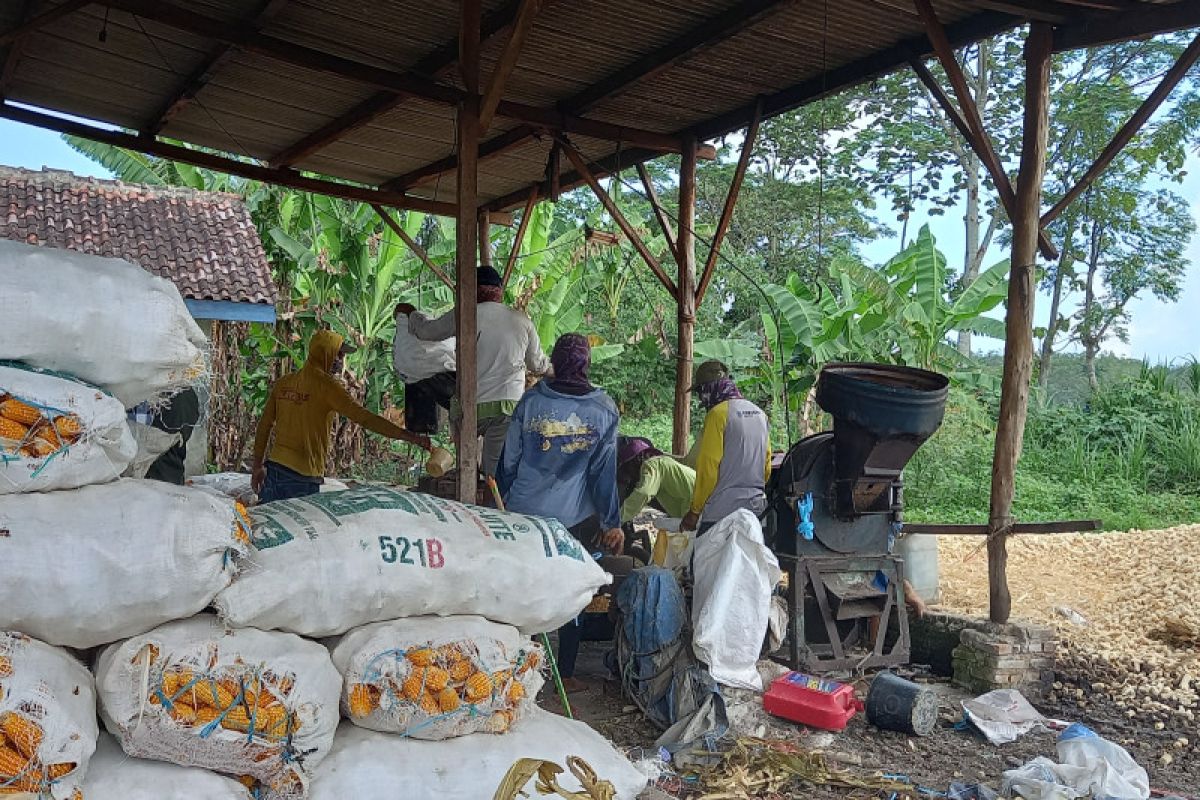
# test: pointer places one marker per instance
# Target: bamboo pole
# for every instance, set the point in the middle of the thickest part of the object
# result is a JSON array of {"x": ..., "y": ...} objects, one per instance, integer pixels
[
  {"x": 1022, "y": 287},
  {"x": 685, "y": 296},
  {"x": 466, "y": 233}
]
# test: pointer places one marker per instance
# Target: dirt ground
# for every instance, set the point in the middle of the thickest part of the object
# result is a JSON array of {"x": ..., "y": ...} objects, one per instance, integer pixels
[{"x": 1117, "y": 674}]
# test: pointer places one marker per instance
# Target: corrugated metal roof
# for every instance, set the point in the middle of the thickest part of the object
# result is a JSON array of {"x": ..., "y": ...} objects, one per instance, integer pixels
[{"x": 259, "y": 105}]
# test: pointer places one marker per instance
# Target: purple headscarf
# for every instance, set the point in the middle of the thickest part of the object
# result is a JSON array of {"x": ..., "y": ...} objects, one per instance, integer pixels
[
  {"x": 571, "y": 359},
  {"x": 718, "y": 391}
]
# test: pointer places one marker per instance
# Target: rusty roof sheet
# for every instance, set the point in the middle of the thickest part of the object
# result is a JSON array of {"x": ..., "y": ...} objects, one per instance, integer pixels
[
  {"x": 258, "y": 104},
  {"x": 204, "y": 242}
]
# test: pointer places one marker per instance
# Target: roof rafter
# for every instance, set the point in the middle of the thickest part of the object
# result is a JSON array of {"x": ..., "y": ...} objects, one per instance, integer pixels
[
  {"x": 11, "y": 55},
  {"x": 1142, "y": 20},
  {"x": 708, "y": 34},
  {"x": 31, "y": 24}
]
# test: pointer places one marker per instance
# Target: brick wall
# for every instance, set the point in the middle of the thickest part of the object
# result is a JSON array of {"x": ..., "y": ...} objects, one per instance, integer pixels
[{"x": 981, "y": 655}]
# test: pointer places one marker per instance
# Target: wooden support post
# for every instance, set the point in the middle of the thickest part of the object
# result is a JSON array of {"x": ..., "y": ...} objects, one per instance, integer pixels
[
  {"x": 659, "y": 212},
  {"x": 1122, "y": 138},
  {"x": 685, "y": 297},
  {"x": 735, "y": 188},
  {"x": 519, "y": 238},
  {"x": 1022, "y": 288},
  {"x": 466, "y": 231},
  {"x": 979, "y": 141},
  {"x": 613, "y": 211},
  {"x": 485, "y": 239},
  {"x": 420, "y": 252}
]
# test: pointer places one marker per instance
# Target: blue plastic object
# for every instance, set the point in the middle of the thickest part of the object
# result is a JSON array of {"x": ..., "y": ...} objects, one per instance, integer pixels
[{"x": 804, "y": 525}]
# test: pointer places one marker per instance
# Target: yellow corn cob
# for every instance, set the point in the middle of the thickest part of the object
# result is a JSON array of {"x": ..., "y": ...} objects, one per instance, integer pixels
[
  {"x": 363, "y": 699},
  {"x": 436, "y": 679},
  {"x": 38, "y": 448},
  {"x": 183, "y": 712},
  {"x": 448, "y": 700},
  {"x": 15, "y": 410},
  {"x": 68, "y": 427},
  {"x": 460, "y": 670},
  {"x": 502, "y": 677},
  {"x": 23, "y": 734},
  {"x": 430, "y": 704},
  {"x": 421, "y": 656},
  {"x": 499, "y": 722},
  {"x": 11, "y": 429},
  {"x": 46, "y": 433},
  {"x": 412, "y": 687},
  {"x": 236, "y": 720},
  {"x": 6, "y": 667},
  {"x": 449, "y": 653},
  {"x": 515, "y": 692},
  {"x": 220, "y": 695},
  {"x": 77, "y": 794},
  {"x": 56, "y": 771},
  {"x": 12, "y": 763},
  {"x": 478, "y": 687},
  {"x": 174, "y": 680},
  {"x": 274, "y": 720},
  {"x": 249, "y": 781},
  {"x": 532, "y": 659}
]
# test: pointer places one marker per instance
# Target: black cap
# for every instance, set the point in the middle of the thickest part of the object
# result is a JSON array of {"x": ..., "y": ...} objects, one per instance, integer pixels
[{"x": 488, "y": 276}]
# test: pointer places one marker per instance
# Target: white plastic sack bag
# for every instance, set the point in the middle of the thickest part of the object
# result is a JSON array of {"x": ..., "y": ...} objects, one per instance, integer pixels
[
  {"x": 438, "y": 677},
  {"x": 112, "y": 775},
  {"x": 365, "y": 765},
  {"x": 97, "y": 564},
  {"x": 151, "y": 443},
  {"x": 105, "y": 320},
  {"x": 47, "y": 717},
  {"x": 1091, "y": 766},
  {"x": 230, "y": 484},
  {"x": 330, "y": 562},
  {"x": 734, "y": 575},
  {"x": 244, "y": 702},
  {"x": 1002, "y": 715},
  {"x": 57, "y": 433}
]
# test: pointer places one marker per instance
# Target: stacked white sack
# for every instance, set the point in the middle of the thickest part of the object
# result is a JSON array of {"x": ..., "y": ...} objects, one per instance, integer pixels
[
  {"x": 243, "y": 702},
  {"x": 365, "y": 765},
  {"x": 112, "y": 775},
  {"x": 57, "y": 433},
  {"x": 438, "y": 677},
  {"x": 105, "y": 320},
  {"x": 102, "y": 563},
  {"x": 330, "y": 562},
  {"x": 47, "y": 719}
]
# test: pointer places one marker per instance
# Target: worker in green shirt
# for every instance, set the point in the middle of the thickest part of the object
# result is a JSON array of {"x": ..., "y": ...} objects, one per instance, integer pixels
[{"x": 645, "y": 475}]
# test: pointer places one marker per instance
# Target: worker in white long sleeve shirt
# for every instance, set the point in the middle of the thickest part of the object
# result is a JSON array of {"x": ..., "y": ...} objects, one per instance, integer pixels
[{"x": 507, "y": 345}]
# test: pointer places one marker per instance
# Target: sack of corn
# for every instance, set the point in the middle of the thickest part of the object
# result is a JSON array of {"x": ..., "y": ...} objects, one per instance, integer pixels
[
  {"x": 112, "y": 775},
  {"x": 101, "y": 563},
  {"x": 57, "y": 433},
  {"x": 252, "y": 703},
  {"x": 47, "y": 719},
  {"x": 330, "y": 562},
  {"x": 366, "y": 765},
  {"x": 437, "y": 677},
  {"x": 105, "y": 320}
]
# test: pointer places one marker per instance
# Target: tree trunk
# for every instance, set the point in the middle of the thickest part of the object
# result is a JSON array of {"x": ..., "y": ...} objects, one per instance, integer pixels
[
  {"x": 971, "y": 167},
  {"x": 1064, "y": 263},
  {"x": 1088, "y": 334}
]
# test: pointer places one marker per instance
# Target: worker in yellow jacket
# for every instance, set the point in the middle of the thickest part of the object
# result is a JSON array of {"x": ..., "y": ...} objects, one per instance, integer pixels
[
  {"x": 733, "y": 456},
  {"x": 301, "y": 412}
]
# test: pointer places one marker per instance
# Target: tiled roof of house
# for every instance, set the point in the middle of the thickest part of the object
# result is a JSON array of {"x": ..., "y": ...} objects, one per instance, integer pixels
[{"x": 205, "y": 242}]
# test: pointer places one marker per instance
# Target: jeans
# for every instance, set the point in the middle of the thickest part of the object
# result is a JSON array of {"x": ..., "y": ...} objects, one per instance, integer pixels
[
  {"x": 423, "y": 399},
  {"x": 284, "y": 484}
]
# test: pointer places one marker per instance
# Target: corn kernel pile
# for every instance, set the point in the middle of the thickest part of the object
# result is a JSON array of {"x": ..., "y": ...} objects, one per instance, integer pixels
[
  {"x": 21, "y": 770},
  {"x": 27, "y": 430},
  {"x": 428, "y": 685}
]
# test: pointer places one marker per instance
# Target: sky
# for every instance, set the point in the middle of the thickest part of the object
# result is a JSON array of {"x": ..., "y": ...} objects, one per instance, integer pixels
[{"x": 1159, "y": 331}]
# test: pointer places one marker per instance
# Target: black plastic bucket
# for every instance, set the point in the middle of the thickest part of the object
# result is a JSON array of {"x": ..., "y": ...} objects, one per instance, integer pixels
[{"x": 895, "y": 704}]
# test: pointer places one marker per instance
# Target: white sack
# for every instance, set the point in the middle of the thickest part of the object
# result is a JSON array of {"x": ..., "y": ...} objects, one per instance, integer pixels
[
  {"x": 100, "y": 563},
  {"x": 438, "y": 677},
  {"x": 1002, "y": 715},
  {"x": 244, "y": 702},
  {"x": 734, "y": 575},
  {"x": 365, "y": 765},
  {"x": 43, "y": 686},
  {"x": 101, "y": 452},
  {"x": 106, "y": 320},
  {"x": 151, "y": 443},
  {"x": 231, "y": 484},
  {"x": 112, "y": 775},
  {"x": 330, "y": 562}
]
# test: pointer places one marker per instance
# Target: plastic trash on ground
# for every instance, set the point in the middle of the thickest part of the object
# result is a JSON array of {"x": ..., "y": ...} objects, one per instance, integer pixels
[
  {"x": 1003, "y": 715},
  {"x": 1091, "y": 766}
]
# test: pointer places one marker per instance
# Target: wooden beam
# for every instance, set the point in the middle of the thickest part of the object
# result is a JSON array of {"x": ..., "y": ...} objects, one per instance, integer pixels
[
  {"x": 619, "y": 218},
  {"x": 1141, "y": 20},
  {"x": 659, "y": 212},
  {"x": 438, "y": 64},
  {"x": 980, "y": 141},
  {"x": 186, "y": 93},
  {"x": 1022, "y": 289},
  {"x": 1125, "y": 135},
  {"x": 554, "y": 171},
  {"x": 1040, "y": 10},
  {"x": 465, "y": 251},
  {"x": 426, "y": 173},
  {"x": 735, "y": 188},
  {"x": 1057, "y": 526},
  {"x": 10, "y": 56},
  {"x": 208, "y": 160},
  {"x": 519, "y": 238},
  {"x": 507, "y": 62},
  {"x": 685, "y": 299},
  {"x": 29, "y": 25},
  {"x": 485, "y": 240},
  {"x": 420, "y": 252}
]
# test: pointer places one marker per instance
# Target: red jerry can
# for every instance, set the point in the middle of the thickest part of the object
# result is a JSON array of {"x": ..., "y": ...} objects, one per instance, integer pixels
[{"x": 816, "y": 702}]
